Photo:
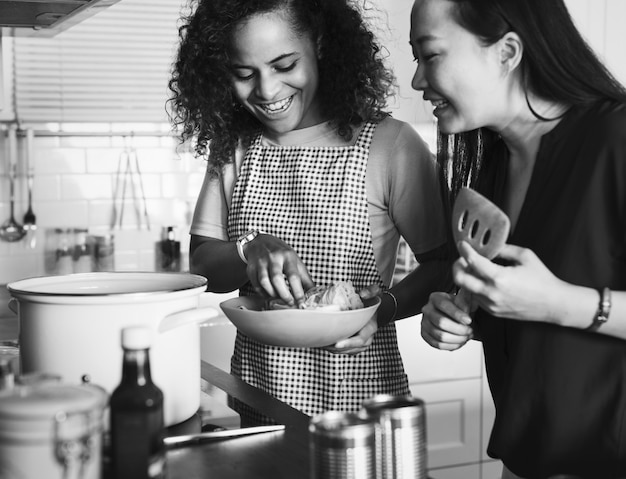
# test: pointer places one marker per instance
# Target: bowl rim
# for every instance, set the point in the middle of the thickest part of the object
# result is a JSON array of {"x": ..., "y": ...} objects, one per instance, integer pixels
[{"x": 369, "y": 303}]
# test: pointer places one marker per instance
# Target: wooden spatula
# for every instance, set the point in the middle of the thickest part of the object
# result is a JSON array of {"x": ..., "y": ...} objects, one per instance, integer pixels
[{"x": 482, "y": 224}]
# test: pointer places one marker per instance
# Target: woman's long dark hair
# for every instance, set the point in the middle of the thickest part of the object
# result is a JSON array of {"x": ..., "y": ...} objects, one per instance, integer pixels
[
  {"x": 354, "y": 83},
  {"x": 557, "y": 65}
]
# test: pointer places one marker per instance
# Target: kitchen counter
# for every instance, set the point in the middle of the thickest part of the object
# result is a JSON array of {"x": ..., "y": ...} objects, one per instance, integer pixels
[{"x": 283, "y": 454}]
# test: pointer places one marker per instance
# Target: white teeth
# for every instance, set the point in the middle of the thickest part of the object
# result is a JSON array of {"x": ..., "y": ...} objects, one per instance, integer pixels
[
  {"x": 278, "y": 106},
  {"x": 439, "y": 103}
]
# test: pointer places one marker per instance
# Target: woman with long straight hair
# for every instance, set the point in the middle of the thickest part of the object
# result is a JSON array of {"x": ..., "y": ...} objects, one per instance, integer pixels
[{"x": 529, "y": 117}]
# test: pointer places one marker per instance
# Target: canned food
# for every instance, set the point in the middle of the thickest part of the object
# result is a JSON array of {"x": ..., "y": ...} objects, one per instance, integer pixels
[
  {"x": 401, "y": 440},
  {"x": 51, "y": 430},
  {"x": 343, "y": 446}
]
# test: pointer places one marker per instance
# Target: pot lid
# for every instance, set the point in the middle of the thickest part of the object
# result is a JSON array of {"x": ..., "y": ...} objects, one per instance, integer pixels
[{"x": 107, "y": 284}]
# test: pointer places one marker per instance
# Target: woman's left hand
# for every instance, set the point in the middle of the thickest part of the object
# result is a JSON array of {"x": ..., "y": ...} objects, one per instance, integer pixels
[
  {"x": 362, "y": 340},
  {"x": 525, "y": 289}
]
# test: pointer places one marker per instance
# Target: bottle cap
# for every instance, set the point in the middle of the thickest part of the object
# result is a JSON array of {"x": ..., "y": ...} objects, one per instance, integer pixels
[{"x": 136, "y": 337}]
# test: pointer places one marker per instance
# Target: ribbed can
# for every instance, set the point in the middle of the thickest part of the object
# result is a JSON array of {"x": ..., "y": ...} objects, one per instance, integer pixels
[
  {"x": 343, "y": 446},
  {"x": 401, "y": 444}
]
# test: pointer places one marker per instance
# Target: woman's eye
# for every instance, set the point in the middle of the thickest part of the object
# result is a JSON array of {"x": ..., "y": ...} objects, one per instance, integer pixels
[
  {"x": 243, "y": 76},
  {"x": 285, "y": 68}
]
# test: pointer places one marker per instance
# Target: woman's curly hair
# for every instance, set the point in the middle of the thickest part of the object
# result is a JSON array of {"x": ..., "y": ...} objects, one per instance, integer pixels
[{"x": 354, "y": 83}]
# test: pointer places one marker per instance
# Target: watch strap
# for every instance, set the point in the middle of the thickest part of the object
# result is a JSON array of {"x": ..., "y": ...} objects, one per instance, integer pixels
[
  {"x": 604, "y": 309},
  {"x": 243, "y": 240}
]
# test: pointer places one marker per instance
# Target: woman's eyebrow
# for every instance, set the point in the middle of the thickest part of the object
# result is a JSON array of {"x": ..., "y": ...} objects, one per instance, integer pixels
[
  {"x": 274, "y": 60},
  {"x": 422, "y": 39}
]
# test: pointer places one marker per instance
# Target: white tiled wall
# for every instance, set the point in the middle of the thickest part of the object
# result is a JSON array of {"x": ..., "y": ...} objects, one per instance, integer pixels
[{"x": 74, "y": 185}]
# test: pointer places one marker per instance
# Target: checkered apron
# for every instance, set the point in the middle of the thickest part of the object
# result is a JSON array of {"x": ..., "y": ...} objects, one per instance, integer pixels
[{"x": 314, "y": 199}]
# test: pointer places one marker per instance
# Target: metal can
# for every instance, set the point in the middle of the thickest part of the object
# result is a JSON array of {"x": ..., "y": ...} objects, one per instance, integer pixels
[
  {"x": 401, "y": 444},
  {"x": 343, "y": 446}
]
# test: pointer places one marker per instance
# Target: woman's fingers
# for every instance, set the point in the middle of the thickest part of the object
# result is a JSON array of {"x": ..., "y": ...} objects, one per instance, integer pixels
[
  {"x": 444, "y": 325},
  {"x": 358, "y": 342}
]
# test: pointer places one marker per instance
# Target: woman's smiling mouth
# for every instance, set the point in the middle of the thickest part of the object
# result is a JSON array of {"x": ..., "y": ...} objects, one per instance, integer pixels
[
  {"x": 439, "y": 104},
  {"x": 276, "y": 107}
]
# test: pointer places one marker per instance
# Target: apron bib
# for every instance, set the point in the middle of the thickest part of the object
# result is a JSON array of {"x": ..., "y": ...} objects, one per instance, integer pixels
[{"x": 314, "y": 199}]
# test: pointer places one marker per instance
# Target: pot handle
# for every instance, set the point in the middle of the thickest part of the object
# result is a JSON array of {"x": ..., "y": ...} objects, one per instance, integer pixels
[
  {"x": 13, "y": 305},
  {"x": 199, "y": 316}
]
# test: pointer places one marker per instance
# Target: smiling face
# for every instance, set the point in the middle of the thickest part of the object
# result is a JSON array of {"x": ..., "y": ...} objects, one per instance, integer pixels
[
  {"x": 464, "y": 79},
  {"x": 274, "y": 73}
]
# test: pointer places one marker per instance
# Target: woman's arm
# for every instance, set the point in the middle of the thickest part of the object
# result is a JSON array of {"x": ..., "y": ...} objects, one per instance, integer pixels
[
  {"x": 433, "y": 273},
  {"x": 273, "y": 267},
  {"x": 219, "y": 262}
]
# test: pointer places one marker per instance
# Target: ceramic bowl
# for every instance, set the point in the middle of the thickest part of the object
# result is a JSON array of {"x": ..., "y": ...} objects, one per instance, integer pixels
[{"x": 301, "y": 328}]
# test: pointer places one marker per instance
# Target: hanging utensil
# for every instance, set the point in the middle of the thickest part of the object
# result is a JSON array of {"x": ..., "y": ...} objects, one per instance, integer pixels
[
  {"x": 482, "y": 224},
  {"x": 30, "y": 220},
  {"x": 127, "y": 169},
  {"x": 11, "y": 230},
  {"x": 144, "y": 205}
]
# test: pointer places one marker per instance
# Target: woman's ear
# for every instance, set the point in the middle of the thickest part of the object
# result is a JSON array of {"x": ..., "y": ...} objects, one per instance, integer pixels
[{"x": 511, "y": 51}]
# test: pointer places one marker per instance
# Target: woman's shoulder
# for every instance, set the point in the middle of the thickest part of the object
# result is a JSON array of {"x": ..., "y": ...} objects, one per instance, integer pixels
[
  {"x": 397, "y": 133},
  {"x": 607, "y": 116},
  {"x": 399, "y": 151},
  {"x": 391, "y": 125}
]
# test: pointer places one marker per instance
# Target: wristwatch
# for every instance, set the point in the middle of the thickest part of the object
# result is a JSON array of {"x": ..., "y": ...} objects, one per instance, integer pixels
[
  {"x": 604, "y": 309},
  {"x": 243, "y": 240}
]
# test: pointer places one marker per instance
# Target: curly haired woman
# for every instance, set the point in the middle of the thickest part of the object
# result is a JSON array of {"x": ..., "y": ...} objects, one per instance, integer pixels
[{"x": 308, "y": 182}]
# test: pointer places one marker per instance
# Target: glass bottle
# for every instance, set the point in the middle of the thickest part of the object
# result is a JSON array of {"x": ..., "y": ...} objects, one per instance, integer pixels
[
  {"x": 168, "y": 251},
  {"x": 136, "y": 413}
]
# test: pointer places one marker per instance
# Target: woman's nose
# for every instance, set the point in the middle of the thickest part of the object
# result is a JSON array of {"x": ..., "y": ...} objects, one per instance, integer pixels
[
  {"x": 267, "y": 86},
  {"x": 419, "y": 79}
]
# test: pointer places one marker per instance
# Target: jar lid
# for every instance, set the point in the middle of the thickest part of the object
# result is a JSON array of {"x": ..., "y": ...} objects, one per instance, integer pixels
[
  {"x": 48, "y": 399},
  {"x": 43, "y": 411}
]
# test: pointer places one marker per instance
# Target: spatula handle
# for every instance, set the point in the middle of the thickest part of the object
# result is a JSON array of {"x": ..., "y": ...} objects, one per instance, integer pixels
[{"x": 463, "y": 300}]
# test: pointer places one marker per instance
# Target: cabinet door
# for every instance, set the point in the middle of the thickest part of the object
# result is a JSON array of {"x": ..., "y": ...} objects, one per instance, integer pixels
[
  {"x": 450, "y": 385},
  {"x": 461, "y": 472},
  {"x": 423, "y": 363},
  {"x": 452, "y": 421},
  {"x": 490, "y": 470}
]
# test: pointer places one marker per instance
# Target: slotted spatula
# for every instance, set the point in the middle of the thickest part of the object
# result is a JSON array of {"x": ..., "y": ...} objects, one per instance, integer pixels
[{"x": 482, "y": 224}]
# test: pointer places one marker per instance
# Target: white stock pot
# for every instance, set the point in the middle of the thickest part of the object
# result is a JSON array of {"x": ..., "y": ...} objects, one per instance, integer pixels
[{"x": 71, "y": 326}]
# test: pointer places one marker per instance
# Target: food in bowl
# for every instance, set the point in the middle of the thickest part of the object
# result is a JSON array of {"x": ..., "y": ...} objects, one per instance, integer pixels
[
  {"x": 339, "y": 296},
  {"x": 301, "y": 328}
]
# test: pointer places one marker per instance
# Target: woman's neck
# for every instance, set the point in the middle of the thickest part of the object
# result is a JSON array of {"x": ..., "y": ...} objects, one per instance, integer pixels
[
  {"x": 522, "y": 134},
  {"x": 522, "y": 137}
]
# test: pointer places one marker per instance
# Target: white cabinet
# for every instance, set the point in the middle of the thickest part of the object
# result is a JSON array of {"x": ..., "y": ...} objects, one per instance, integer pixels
[
  {"x": 459, "y": 408},
  {"x": 452, "y": 421}
]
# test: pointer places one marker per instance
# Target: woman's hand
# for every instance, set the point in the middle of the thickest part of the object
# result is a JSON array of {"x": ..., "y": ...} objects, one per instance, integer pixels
[
  {"x": 362, "y": 340},
  {"x": 357, "y": 343},
  {"x": 445, "y": 325},
  {"x": 525, "y": 289},
  {"x": 275, "y": 270}
]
